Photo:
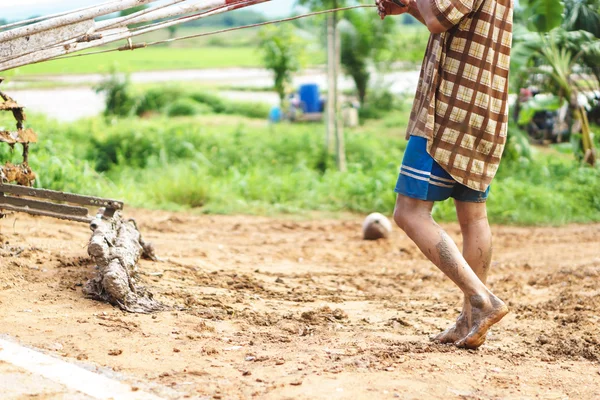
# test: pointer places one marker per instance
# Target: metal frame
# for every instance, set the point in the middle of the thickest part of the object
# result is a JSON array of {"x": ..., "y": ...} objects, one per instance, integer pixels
[
  {"x": 13, "y": 198},
  {"x": 77, "y": 31}
]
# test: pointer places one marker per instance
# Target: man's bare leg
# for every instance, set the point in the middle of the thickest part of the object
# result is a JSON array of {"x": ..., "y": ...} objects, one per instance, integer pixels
[
  {"x": 477, "y": 251},
  {"x": 414, "y": 217}
]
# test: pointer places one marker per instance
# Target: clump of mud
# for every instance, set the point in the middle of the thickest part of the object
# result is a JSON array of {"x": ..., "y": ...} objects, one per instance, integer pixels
[
  {"x": 116, "y": 246},
  {"x": 573, "y": 347},
  {"x": 323, "y": 315}
]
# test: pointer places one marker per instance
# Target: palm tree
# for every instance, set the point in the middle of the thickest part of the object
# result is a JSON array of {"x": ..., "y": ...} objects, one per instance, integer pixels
[
  {"x": 562, "y": 58},
  {"x": 582, "y": 15}
]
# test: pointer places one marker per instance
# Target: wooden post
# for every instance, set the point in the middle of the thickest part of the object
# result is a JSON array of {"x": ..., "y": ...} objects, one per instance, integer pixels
[
  {"x": 330, "y": 123},
  {"x": 586, "y": 137},
  {"x": 340, "y": 147}
]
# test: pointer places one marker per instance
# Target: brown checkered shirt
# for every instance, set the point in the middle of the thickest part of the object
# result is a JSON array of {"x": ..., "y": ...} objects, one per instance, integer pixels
[{"x": 461, "y": 105}]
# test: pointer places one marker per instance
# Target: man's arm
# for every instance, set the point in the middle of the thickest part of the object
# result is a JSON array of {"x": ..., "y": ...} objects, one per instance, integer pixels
[
  {"x": 414, "y": 11},
  {"x": 426, "y": 15},
  {"x": 437, "y": 15}
]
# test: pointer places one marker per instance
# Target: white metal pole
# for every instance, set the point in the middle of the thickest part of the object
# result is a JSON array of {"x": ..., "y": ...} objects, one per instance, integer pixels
[
  {"x": 106, "y": 8},
  {"x": 149, "y": 14},
  {"x": 60, "y": 14},
  {"x": 216, "y": 7},
  {"x": 330, "y": 114}
]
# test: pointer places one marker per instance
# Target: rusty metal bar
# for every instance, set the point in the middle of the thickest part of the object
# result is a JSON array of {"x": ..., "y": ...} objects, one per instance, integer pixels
[
  {"x": 86, "y": 219},
  {"x": 62, "y": 209},
  {"x": 20, "y": 136},
  {"x": 61, "y": 196}
]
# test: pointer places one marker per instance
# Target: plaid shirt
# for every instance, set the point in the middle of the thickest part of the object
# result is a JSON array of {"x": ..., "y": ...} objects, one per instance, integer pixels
[{"x": 461, "y": 105}]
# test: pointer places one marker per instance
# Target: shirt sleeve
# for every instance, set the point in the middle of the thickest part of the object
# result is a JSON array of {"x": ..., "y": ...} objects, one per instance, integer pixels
[{"x": 450, "y": 12}]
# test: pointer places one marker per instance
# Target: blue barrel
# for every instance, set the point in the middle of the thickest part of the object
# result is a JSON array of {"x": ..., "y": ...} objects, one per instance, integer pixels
[
  {"x": 309, "y": 96},
  {"x": 275, "y": 114}
]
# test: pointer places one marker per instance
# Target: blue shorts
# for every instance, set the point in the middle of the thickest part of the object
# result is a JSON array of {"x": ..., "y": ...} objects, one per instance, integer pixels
[{"x": 421, "y": 177}]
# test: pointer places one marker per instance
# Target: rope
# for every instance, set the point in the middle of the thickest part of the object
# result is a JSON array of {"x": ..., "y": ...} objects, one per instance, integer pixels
[{"x": 129, "y": 46}]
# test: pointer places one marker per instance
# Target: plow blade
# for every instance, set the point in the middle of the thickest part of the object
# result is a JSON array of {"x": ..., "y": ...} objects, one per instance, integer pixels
[{"x": 31, "y": 201}]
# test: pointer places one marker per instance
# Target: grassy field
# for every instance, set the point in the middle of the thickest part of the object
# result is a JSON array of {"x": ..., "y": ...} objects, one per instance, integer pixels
[
  {"x": 229, "y": 164},
  {"x": 150, "y": 59}
]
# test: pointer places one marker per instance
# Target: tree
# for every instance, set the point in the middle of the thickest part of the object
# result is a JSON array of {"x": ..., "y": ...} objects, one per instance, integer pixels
[
  {"x": 282, "y": 52},
  {"x": 583, "y": 15},
  {"x": 172, "y": 31},
  {"x": 132, "y": 10},
  {"x": 558, "y": 56},
  {"x": 364, "y": 38},
  {"x": 543, "y": 15}
]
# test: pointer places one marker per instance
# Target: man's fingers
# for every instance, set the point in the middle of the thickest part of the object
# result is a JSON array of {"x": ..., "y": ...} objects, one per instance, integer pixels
[{"x": 380, "y": 8}]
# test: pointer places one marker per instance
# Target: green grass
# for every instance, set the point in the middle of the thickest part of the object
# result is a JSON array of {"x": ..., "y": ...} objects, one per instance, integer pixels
[
  {"x": 150, "y": 59},
  {"x": 410, "y": 44},
  {"x": 229, "y": 164},
  {"x": 157, "y": 59}
]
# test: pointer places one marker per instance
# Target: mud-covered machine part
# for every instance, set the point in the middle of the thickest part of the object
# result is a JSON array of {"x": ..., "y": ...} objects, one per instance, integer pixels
[{"x": 16, "y": 181}]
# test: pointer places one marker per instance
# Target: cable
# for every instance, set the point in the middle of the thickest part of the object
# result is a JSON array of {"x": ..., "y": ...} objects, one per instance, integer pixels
[
  {"x": 140, "y": 13},
  {"x": 131, "y": 46},
  {"x": 185, "y": 18}
]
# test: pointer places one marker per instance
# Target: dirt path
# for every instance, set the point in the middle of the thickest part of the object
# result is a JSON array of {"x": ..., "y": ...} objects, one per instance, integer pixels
[{"x": 276, "y": 308}]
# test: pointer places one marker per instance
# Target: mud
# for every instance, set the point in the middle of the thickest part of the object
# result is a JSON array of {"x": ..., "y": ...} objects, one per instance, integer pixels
[
  {"x": 282, "y": 308},
  {"x": 115, "y": 247}
]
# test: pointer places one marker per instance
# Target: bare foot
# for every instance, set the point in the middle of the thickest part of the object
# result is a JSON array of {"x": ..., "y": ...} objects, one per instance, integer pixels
[
  {"x": 485, "y": 312},
  {"x": 456, "y": 332}
]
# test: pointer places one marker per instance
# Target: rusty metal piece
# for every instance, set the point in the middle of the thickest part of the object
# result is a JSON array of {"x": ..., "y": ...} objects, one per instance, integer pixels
[
  {"x": 20, "y": 136},
  {"x": 10, "y": 104},
  {"x": 89, "y": 38},
  {"x": 132, "y": 46},
  {"x": 21, "y": 174},
  {"x": 14, "y": 198},
  {"x": 23, "y": 198}
]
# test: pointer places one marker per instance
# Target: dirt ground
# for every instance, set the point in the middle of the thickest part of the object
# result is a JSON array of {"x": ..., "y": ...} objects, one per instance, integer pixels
[{"x": 298, "y": 309}]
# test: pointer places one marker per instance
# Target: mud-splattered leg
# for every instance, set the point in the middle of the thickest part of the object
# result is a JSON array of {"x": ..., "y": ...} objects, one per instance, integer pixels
[
  {"x": 414, "y": 217},
  {"x": 477, "y": 251}
]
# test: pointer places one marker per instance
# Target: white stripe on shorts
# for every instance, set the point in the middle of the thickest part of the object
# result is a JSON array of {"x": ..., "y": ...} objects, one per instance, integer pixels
[
  {"x": 426, "y": 180},
  {"x": 443, "y": 179},
  {"x": 416, "y": 170}
]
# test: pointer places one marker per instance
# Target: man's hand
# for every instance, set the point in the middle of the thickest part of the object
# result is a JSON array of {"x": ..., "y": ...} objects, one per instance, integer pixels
[{"x": 392, "y": 7}]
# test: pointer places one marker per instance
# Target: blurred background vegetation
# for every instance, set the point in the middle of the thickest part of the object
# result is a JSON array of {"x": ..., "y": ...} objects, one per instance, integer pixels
[{"x": 186, "y": 146}]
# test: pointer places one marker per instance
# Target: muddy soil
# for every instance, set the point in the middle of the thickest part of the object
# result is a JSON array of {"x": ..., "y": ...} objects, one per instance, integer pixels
[{"x": 304, "y": 309}]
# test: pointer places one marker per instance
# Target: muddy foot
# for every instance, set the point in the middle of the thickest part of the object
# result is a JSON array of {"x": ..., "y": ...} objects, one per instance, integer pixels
[
  {"x": 456, "y": 332},
  {"x": 485, "y": 312}
]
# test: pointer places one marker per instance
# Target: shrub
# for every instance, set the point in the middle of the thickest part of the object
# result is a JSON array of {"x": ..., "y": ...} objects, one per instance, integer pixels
[
  {"x": 158, "y": 99},
  {"x": 187, "y": 107},
  {"x": 117, "y": 90},
  {"x": 379, "y": 103}
]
